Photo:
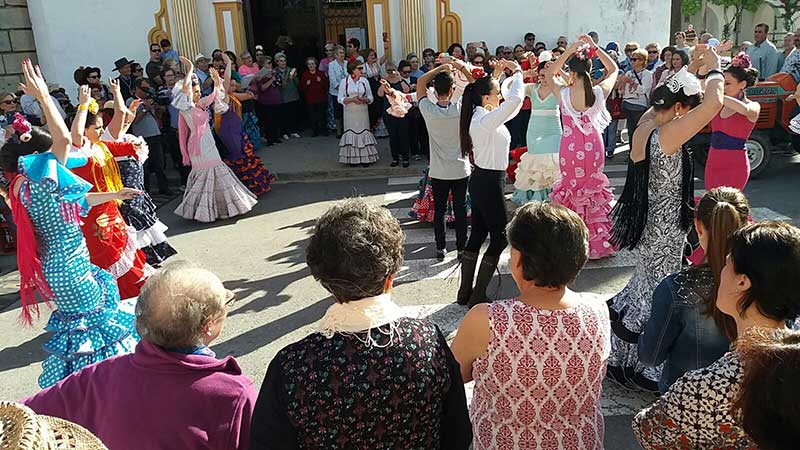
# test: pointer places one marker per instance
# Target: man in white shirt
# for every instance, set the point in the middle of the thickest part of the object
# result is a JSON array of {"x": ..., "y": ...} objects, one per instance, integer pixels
[{"x": 449, "y": 167}]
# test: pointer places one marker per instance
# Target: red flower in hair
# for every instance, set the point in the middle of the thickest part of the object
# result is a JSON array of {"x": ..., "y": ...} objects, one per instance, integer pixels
[{"x": 478, "y": 73}]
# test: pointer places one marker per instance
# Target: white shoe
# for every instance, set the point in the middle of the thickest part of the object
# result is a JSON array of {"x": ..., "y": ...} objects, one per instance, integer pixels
[
  {"x": 285, "y": 137},
  {"x": 295, "y": 135}
]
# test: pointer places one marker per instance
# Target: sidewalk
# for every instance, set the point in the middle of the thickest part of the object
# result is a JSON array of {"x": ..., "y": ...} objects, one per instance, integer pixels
[{"x": 317, "y": 158}]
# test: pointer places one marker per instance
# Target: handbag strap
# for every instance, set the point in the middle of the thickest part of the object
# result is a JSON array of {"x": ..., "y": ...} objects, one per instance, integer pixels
[{"x": 647, "y": 99}]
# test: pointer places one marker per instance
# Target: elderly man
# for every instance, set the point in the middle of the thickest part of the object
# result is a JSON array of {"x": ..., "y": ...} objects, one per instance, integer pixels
[
  {"x": 763, "y": 53},
  {"x": 172, "y": 392}
]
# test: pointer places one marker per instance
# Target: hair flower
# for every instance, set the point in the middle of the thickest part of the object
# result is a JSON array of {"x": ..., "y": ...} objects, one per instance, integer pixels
[
  {"x": 22, "y": 126},
  {"x": 478, "y": 73},
  {"x": 742, "y": 61},
  {"x": 93, "y": 106}
]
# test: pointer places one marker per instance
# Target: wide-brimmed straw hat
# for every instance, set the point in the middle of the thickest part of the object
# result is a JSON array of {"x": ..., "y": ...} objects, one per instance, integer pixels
[{"x": 23, "y": 429}]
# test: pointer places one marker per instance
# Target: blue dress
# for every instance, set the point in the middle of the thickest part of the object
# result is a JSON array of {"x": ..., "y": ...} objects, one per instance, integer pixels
[{"x": 88, "y": 324}]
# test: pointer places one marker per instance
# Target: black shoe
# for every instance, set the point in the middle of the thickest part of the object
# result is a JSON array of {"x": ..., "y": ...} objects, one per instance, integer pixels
[
  {"x": 353, "y": 164},
  {"x": 468, "y": 262},
  {"x": 394, "y": 163},
  {"x": 440, "y": 254},
  {"x": 279, "y": 141},
  {"x": 485, "y": 274},
  {"x": 641, "y": 383},
  {"x": 617, "y": 375},
  {"x": 460, "y": 254},
  {"x": 610, "y": 155},
  {"x": 406, "y": 163},
  {"x": 364, "y": 164}
]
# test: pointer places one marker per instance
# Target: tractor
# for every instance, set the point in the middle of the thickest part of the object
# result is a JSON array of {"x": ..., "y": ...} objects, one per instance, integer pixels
[{"x": 772, "y": 128}]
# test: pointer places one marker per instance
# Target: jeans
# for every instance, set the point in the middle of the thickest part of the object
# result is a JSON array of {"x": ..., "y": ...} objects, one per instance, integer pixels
[
  {"x": 610, "y": 137},
  {"x": 316, "y": 117},
  {"x": 398, "y": 128},
  {"x": 488, "y": 211},
  {"x": 155, "y": 163},
  {"x": 441, "y": 192}
]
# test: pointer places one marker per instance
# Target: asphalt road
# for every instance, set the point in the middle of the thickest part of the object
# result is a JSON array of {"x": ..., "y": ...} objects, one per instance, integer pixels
[{"x": 261, "y": 257}]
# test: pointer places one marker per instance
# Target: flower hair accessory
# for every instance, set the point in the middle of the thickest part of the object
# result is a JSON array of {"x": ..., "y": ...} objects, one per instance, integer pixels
[
  {"x": 22, "y": 126},
  {"x": 586, "y": 51},
  {"x": 742, "y": 61},
  {"x": 682, "y": 80},
  {"x": 478, "y": 73},
  {"x": 93, "y": 106}
]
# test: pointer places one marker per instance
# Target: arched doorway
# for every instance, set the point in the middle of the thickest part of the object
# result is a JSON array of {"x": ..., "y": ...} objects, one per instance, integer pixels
[{"x": 309, "y": 23}]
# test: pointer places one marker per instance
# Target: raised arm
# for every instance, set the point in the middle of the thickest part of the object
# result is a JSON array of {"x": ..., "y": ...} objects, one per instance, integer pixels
[
  {"x": 79, "y": 122},
  {"x": 676, "y": 132},
  {"x": 424, "y": 80},
  {"x": 611, "y": 71},
  {"x": 186, "y": 87},
  {"x": 226, "y": 79},
  {"x": 120, "y": 111},
  {"x": 510, "y": 107},
  {"x": 36, "y": 87},
  {"x": 751, "y": 109},
  {"x": 96, "y": 198}
]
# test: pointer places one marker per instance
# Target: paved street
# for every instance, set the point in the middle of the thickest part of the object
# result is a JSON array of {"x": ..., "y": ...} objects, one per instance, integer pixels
[{"x": 261, "y": 258}]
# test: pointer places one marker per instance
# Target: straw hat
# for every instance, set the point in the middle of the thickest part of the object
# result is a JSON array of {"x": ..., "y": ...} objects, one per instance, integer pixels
[{"x": 23, "y": 429}]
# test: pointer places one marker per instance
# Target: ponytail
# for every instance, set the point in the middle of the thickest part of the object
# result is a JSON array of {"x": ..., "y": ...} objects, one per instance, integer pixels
[
  {"x": 582, "y": 67},
  {"x": 722, "y": 211},
  {"x": 467, "y": 110}
]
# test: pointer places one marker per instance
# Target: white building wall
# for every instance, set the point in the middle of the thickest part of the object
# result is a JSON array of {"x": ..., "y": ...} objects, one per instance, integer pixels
[
  {"x": 505, "y": 22},
  {"x": 77, "y": 33}
]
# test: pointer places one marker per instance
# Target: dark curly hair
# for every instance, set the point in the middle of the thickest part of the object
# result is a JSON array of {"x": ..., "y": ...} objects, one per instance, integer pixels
[
  {"x": 553, "y": 242},
  {"x": 768, "y": 253},
  {"x": 749, "y": 75},
  {"x": 355, "y": 246}
]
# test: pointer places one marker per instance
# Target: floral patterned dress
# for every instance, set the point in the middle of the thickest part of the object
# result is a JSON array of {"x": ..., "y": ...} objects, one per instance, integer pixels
[
  {"x": 339, "y": 393},
  {"x": 539, "y": 385},
  {"x": 696, "y": 411},
  {"x": 583, "y": 186}
]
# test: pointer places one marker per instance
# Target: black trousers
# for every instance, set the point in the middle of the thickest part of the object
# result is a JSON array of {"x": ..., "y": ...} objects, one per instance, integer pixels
[
  {"x": 488, "y": 211},
  {"x": 518, "y": 127},
  {"x": 288, "y": 117},
  {"x": 418, "y": 133},
  {"x": 155, "y": 163},
  {"x": 317, "y": 117},
  {"x": 268, "y": 121},
  {"x": 172, "y": 147},
  {"x": 441, "y": 192},
  {"x": 399, "y": 139}
]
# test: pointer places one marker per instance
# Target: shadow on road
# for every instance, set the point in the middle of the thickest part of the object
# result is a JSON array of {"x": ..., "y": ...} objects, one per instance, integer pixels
[
  {"x": 259, "y": 337},
  {"x": 268, "y": 290},
  {"x": 24, "y": 354}
]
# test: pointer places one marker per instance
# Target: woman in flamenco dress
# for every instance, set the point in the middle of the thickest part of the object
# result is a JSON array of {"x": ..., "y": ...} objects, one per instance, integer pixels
[
  {"x": 212, "y": 191},
  {"x": 583, "y": 186},
  {"x": 90, "y": 324},
  {"x": 112, "y": 242},
  {"x": 240, "y": 155},
  {"x": 130, "y": 152}
]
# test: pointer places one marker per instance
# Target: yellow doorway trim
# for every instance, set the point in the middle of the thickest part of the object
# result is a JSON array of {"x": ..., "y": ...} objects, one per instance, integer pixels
[
  {"x": 449, "y": 25},
  {"x": 237, "y": 23},
  {"x": 161, "y": 30}
]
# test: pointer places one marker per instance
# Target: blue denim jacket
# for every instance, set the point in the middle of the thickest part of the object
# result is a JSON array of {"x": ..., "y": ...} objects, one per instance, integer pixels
[{"x": 678, "y": 334}]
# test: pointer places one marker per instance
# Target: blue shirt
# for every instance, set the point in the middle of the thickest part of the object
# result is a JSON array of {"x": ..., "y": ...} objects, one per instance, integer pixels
[
  {"x": 170, "y": 54},
  {"x": 765, "y": 58}
]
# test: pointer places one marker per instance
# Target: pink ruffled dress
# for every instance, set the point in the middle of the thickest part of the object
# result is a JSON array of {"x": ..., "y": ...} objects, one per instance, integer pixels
[
  {"x": 583, "y": 186},
  {"x": 212, "y": 190}
]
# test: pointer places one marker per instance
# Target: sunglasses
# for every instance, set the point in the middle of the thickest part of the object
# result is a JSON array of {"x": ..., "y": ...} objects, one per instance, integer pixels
[
  {"x": 139, "y": 69},
  {"x": 630, "y": 49},
  {"x": 92, "y": 77},
  {"x": 652, "y": 52},
  {"x": 637, "y": 59},
  {"x": 230, "y": 298},
  {"x": 155, "y": 50},
  {"x": 9, "y": 102},
  {"x": 360, "y": 68}
]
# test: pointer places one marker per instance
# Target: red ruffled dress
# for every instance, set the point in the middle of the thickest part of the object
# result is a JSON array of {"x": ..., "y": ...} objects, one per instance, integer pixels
[{"x": 112, "y": 243}]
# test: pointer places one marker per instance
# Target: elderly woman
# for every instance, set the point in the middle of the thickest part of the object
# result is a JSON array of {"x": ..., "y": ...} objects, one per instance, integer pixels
[
  {"x": 357, "y": 144},
  {"x": 760, "y": 289},
  {"x": 290, "y": 97},
  {"x": 368, "y": 378},
  {"x": 637, "y": 84},
  {"x": 201, "y": 402},
  {"x": 538, "y": 361},
  {"x": 337, "y": 71}
]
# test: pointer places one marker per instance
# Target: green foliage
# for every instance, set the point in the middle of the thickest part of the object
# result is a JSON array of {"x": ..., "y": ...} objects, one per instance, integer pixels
[
  {"x": 691, "y": 7},
  {"x": 740, "y": 5}
]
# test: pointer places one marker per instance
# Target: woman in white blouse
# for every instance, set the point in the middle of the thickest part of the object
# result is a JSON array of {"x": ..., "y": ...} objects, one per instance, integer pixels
[
  {"x": 357, "y": 144},
  {"x": 637, "y": 84},
  {"x": 483, "y": 133}
]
